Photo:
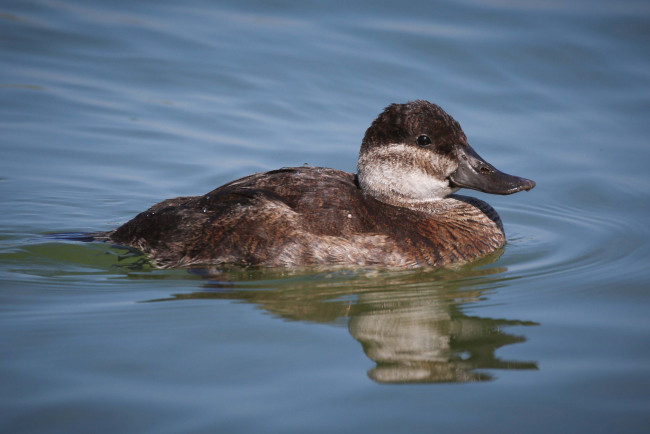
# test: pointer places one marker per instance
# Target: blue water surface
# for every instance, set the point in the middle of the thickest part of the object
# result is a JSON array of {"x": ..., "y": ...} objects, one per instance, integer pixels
[{"x": 109, "y": 107}]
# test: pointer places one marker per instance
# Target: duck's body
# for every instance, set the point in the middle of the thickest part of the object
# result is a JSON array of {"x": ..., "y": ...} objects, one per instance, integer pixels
[
  {"x": 399, "y": 211},
  {"x": 310, "y": 216}
]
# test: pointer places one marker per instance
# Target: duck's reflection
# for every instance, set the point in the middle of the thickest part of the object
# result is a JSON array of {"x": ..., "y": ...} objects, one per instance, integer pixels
[
  {"x": 412, "y": 325},
  {"x": 431, "y": 340}
]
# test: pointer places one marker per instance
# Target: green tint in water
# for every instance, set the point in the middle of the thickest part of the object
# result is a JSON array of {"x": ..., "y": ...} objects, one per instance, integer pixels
[{"x": 58, "y": 259}]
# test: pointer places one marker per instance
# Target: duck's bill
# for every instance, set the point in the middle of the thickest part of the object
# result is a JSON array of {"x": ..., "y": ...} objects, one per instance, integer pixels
[{"x": 476, "y": 173}]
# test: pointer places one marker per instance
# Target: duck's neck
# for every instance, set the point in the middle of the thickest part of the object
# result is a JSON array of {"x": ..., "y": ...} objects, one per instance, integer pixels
[{"x": 396, "y": 199}]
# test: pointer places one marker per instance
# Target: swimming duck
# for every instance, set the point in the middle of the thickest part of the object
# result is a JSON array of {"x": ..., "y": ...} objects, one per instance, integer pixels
[{"x": 398, "y": 210}]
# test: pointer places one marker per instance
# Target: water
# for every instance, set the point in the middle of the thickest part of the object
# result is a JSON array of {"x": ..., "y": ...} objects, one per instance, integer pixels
[{"x": 109, "y": 107}]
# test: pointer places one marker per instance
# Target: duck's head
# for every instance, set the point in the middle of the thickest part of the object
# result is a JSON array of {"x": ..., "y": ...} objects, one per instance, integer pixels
[{"x": 415, "y": 152}]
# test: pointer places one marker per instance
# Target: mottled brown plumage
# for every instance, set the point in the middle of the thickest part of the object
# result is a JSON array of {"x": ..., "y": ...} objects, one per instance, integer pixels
[{"x": 308, "y": 216}]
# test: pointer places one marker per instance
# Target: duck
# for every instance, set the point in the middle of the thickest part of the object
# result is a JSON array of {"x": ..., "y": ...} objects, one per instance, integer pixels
[{"x": 399, "y": 210}]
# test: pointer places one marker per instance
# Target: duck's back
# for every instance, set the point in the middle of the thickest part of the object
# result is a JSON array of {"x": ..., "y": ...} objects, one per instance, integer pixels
[{"x": 308, "y": 216}]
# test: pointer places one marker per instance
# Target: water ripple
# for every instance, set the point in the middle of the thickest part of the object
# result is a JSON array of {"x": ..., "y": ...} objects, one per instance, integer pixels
[{"x": 559, "y": 239}]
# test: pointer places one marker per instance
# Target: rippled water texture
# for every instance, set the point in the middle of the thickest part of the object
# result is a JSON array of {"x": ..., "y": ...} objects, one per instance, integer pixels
[{"x": 109, "y": 107}]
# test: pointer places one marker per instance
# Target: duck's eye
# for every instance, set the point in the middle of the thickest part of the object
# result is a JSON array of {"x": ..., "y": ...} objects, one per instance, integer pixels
[{"x": 424, "y": 140}]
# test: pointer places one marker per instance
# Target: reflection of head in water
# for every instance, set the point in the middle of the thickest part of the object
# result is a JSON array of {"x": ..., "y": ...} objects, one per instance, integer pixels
[
  {"x": 428, "y": 339},
  {"x": 410, "y": 324}
]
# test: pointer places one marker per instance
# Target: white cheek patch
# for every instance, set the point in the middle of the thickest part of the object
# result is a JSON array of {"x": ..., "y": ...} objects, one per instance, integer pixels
[
  {"x": 416, "y": 184},
  {"x": 393, "y": 172}
]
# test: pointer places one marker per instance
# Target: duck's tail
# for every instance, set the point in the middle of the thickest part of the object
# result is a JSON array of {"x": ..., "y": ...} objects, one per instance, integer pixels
[{"x": 85, "y": 237}]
